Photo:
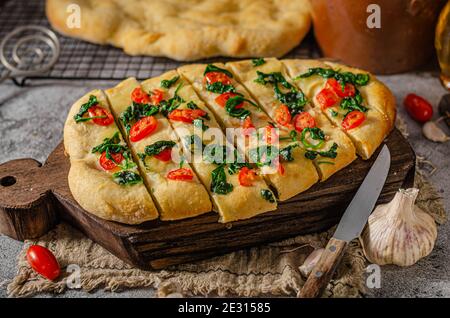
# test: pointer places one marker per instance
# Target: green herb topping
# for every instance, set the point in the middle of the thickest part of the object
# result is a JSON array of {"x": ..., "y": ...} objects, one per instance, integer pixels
[
  {"x": 212, "y": 68},
  {"x": 353, "y": 103},
  {"x": 268, "y": 195},
  {"x": 135, "y": 112},
  {"x": 258, "y": 62},
  {"x": 286, "y": 153},
  {"x": 156, "y": 148},
  {"x": 294, "y": 99},
  {"x": 218, "y": 87},
  {"x": 331, "y": 153},
  {"x": 168, "y": 83},
  {"x": 315, "y": 134},
  {"x": 167, "y": 106},
  {"x": 110, "y": 145},
  {"x": 126, "y": 177},
  {"x": 219, "y": 182},
  {"x": 84, "y": 108},
  {"x": 342, "y": 77}
]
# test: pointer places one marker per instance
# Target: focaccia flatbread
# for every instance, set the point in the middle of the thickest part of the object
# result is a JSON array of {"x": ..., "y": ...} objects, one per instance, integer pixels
[
  {"x": 94, "y": 188},
  {"x": 187, "y": 29},
  {"x": 176, "y": 199}
]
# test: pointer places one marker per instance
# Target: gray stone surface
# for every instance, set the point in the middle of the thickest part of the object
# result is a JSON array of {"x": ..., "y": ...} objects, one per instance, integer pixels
[{"x": 31, "y": 122}]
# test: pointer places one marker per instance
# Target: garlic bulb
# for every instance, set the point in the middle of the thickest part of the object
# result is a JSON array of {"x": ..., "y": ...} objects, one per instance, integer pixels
[
  {"x": 433, "y": 132},
  {"x": 399, "y": 232}
]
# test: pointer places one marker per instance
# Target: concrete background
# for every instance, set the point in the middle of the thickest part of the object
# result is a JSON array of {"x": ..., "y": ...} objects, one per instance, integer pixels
[{"x": 31, "y": 123}]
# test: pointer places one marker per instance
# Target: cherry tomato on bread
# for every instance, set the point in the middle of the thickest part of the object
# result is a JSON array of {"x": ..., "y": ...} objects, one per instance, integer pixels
[
  {"x": 327, "y": 98},
  {"x": 246, "y": 177},
  {"x": 182, "y": 174},
  {"x": 142, "y": 128},
  {"x": 304, "y": 120},
  {"x": 353, "y": 120},
  {"x": 102, "y": 117},
  {"x": 108, "y": 164}
]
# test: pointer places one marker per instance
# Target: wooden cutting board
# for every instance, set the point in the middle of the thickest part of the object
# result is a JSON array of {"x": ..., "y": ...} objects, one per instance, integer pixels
[{"x": 35, "y": 197}]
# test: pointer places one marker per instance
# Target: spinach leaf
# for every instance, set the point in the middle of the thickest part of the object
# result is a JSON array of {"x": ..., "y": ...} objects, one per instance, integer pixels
[
  {"x": 212, "y": 68},
  {"x": 353, "y": 103},
  {"x": 156, "y": 148},
  {"x": 135, "y": 112},
  {"x": 294, "y": 99},
  {"x": 258, "y": 62},
  {"x": 168, "y": 83},
  {"x": 126, "y": 177},
  {"x": 193, "y": 142},
  {"x": 84, "y": 108},
  {"x": 342, "y": 77},
  {"x": 192, "y": 105},
  {"x": 219, "y": 182},
  {"x": 215, "y": 153},
  {"x": 231, "y": 109},
  {"x": 110, "y": 145},
  {"x": 268, "y": 195},
  {"x": 286, "y": 153},
  {"x": 315, "y": 133},
  {"x": 167, "y": 106},
  {"x": 235, "y": 167},
  {"x": 220, "y": 88},
  {"x": 331, "y": 153},
  {"x": 263, "y": 155}
]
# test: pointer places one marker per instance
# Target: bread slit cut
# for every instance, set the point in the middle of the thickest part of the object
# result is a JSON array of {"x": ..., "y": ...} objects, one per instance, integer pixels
[
  {"x": 241, "y": 202},
  {"x": 98, "y": 190},
  {"x": 380, "y": 103},
  {"x": 176, "y": 198}
]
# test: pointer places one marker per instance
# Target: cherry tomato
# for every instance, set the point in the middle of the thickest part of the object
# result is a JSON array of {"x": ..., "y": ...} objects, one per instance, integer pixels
[
  {"x": 248, "y": 126},
  {"x": 270, "y": 135},
  {"x": 142, "y": 128},
  {"x": 97, "y": 111},
  {"x": 246, "y": 177},
  {"x": 43, "y": 262},
  {"x": 283, "y": 115},
  {"x": 353, "y": 120},
  {"x": 418, "y": 108},
  {"x": 157, "y": 96},
  {"x": 349, "y": 90},
  {"x": 109, "y": 164},
  {"x": 280, "y": 169},
  {"x": 214, "y": 77},
  {"x": 165, "y": 155},
  {"x": 139, "y": 96},
  {"x": 182, "y": 174},
  {"x": 327, "y": 98},
  {"x": 304, "y": 120},
  {"x": 222, "y": 99},
  {"x": 186, "y": 115}
]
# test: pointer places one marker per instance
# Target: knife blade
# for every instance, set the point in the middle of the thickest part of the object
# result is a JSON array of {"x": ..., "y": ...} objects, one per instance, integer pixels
[{"x": 350, "y": 226}]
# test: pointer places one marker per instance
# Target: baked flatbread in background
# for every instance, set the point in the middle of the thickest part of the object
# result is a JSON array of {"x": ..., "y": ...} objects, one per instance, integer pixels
[{"x": 188, "y": 29}]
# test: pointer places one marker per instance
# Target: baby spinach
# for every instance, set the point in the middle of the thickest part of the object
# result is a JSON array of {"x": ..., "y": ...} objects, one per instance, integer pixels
[
  {"x": 268, "y": 195},
  {"x": 331, "y": 153},
  {"x": 84, "y": 108},
  {"x": 219, "y": 182},
  {"x": 126, "y": 177},
  {"x": 156, "y": 148},
  {"x": 258, "y": 62},
  {"x": 168, "y": 83},
  {"x": 212, "y": 68},
  {"x": 342, "y": 77},
  {"x": 135, "y": 112}
]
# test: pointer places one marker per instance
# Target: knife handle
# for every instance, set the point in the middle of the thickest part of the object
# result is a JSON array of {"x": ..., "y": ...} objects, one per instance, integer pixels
[{"x": 324, "y": 269}]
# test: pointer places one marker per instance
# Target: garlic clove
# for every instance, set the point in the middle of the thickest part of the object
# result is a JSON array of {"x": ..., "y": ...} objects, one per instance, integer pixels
[
  {"x": 310, "y": 262},
  {"x": 399, "y": 232},
  {"x": 433, "y": 132}
]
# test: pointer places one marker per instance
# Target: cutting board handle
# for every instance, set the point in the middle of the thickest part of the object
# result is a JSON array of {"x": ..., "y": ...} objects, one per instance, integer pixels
[{"x": 28, "y": 208}]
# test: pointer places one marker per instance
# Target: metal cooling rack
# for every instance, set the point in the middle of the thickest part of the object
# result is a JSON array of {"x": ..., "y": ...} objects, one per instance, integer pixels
[{"x": 82, "y": 60}]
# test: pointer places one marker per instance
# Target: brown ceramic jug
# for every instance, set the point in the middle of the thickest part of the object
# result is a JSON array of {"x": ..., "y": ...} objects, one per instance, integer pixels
[{"x": 382, "y": 36}]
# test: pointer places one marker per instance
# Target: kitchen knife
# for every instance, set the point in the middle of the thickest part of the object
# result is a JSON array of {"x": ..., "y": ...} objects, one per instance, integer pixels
[{"x": 351, "y": 225}]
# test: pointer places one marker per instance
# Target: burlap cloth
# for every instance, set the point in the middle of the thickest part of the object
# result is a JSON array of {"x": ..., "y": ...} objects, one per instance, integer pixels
[{"x": 265, "y": 270}]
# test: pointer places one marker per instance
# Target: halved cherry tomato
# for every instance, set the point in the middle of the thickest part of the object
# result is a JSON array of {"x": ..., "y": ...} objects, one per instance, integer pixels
[
  {"x": 97, "y": 111},
  {"x": 43, "y": 262},
  {"x": 165, "y": 155},
  {"x": 248, "y": 126},
  {"x": 280, "y": 169},
  {"x": 182, "y": 174},
  {"x": 304, "y": 120},
  {"x": 270, "y": 135},
  {"x": 349, "y": 89},
  {"x": 222, "y": 99},
  {"x": 139, "y": 96},
  {"x": 186, "y": 115},
  {"x": 246, "y": 177},
  {"x": 283, "y": 115},
  {"x": 353, "y": 120},
  {"x": 157, "y": 96},
  {"x": 327, "y": 98},
  {"x": 109, "y": 164},
  {"x": 418, "y": 108},
  {"x": 142, "y": 128},
  {"x": 214, "y": 77}
]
